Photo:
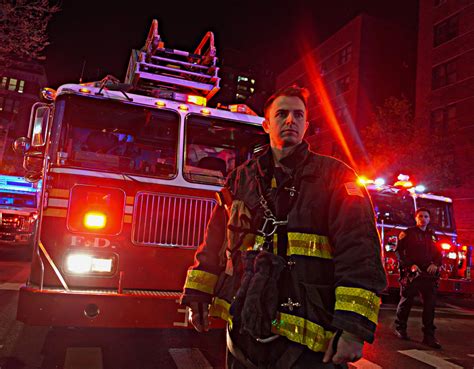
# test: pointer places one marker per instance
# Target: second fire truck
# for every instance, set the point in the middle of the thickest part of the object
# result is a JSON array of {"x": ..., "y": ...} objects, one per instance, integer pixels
[{"x": 395, "y": 207}]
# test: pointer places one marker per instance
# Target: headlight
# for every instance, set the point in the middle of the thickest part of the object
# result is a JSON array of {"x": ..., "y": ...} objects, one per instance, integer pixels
[{"x": 84, "y": 263}]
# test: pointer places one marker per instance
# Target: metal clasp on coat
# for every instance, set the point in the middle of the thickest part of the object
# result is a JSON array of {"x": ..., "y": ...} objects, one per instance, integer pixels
[
  {"x": 270, "y": 225},
  {"x": 268, "y": 339}
]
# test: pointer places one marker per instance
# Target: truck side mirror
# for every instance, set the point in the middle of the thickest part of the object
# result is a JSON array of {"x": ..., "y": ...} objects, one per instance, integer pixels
[
  {"x": 33, "y": 165},
  {"x": 39, "y": 121},
  {"x": 33, "y": 177},
  {"x": 21, "y": 145}
]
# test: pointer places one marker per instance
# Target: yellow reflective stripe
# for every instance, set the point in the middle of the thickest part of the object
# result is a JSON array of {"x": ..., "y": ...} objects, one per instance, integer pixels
[
  {"x": 220, "y": 309},
  {"x": 358, "y": 300},
  {"x": 302, "y": 331},
  {"x": 57, "y": 192},
  {"x": 53, "y": 212},
  {"x": 259, "y": 240},
  {"x": 308, "y": 244},
  {"x": 201, "y": 281}
]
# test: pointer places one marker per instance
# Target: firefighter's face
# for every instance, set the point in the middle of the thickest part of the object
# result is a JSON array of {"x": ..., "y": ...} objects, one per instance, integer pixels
[
  {"x": 285, "y": 121},
  {"x": 422, "y": 219}
]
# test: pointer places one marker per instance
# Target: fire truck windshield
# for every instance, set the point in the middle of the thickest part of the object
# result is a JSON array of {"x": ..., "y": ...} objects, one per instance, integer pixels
[
  {"x": 214, "y": 147},
  {"x": 441, "y": 213},
  {"x": 394, "y": 209},
  {"x": 20, "y": 200},
  {"x": 114, "y": 136}
]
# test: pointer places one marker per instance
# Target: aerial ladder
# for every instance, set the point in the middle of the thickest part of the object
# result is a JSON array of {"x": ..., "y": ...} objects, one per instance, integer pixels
[{"x": 156, "y": 70}]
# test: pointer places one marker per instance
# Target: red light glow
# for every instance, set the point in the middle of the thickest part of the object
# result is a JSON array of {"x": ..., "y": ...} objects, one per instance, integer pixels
[
  {"x": 326, "y": 106},
  {"x": 446, "y": 246}
]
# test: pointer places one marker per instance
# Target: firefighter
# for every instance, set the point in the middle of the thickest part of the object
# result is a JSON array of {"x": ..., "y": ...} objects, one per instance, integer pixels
[
  {"x": 291, "y": 257},
  {"x": 419, "y": 260}
]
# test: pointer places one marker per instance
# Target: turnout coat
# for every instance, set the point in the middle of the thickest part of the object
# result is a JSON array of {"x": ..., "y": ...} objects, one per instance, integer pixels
[{"x": 334, "y": 272}]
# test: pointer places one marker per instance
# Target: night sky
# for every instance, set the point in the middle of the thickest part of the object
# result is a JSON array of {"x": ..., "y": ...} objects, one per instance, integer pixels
[{"x": 103, "y": 32}]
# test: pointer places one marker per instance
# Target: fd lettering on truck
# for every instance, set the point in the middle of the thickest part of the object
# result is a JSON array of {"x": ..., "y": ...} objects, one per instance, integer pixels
[{"x": 129, "y": 172}]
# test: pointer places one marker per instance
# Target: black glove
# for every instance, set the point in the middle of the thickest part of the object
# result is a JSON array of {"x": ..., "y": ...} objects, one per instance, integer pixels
[
  {"x": 262, "y": 295},
  {"x": 248, "y": 259},
  {"x": 270, "y": 294}
]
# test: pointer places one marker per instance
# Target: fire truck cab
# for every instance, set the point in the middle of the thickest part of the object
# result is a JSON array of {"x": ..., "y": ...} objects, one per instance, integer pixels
[
  {"x": 130, "y": 173},
  {"x": 395, "y": 206}
]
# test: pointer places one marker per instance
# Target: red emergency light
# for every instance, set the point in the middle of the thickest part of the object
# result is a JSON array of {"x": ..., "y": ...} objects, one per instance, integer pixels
[
  {"x": 446, "y": 246},
  {"x": 98, "y": 210}
]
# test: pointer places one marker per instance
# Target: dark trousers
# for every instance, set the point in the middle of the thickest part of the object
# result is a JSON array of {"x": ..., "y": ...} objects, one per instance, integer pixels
[
  {"x": 305, "y": 361},
  {"x": 267, "y": 355},
  {"x": 425, "y": 286}
]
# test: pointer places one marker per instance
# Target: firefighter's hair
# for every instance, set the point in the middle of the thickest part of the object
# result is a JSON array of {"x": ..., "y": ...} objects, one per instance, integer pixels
[
  {"x": 293, "y": 90},
  {"x": 419, "y": 210}
]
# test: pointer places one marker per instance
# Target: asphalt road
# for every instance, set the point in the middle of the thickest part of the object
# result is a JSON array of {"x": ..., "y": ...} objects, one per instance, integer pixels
[{"x": 26, "y": 347}]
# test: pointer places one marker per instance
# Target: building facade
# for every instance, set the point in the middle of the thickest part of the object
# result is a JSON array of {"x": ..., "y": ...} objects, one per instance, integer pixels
[
  {"x": 445, "y": 94},
  {"x": 20, "y": 84},
  {"x": 362, "y": 64}
]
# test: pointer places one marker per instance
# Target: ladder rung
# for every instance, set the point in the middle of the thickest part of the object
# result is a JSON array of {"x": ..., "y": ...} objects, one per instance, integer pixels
[
  {"x": 202, "y": 75},
  {"x": 175, "y": 81},
  {"x": 179, "y": 62}
]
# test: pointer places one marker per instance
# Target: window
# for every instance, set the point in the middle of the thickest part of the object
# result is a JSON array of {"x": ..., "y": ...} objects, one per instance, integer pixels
[
  {"x": 444, "y": 74},
  {"x": 242, "y": 79},
  {"x": 345, "y": 55},
  {"x": 215, "y": 146},
  {"x": 442, "y": 118},
  {"x": 8, "y": 107},
  {"x": 342, "y": 85},
  {"x": 119, "y": 138},
  {"x": 12, "y": 84},
  {"x": 3, "y": 84},
  {"x": 323, "y": 68},
  {"x": 21, "y": 87},
  {"x": 16, "y": 106},
  {"x": 240, "y": 97},
  {"x": 446, "y": 30},
  {"x": 2, "y": 100}
]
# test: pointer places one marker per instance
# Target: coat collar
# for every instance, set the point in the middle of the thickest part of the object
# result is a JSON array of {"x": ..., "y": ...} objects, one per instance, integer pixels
[{"x": 296, "y": 159}]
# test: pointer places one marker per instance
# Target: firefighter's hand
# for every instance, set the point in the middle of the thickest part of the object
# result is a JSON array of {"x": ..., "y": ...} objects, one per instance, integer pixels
[
  {"x": 432, "y": 269},
  {"x": 199, "y": 316},
  {"x": 349, "y": 349}
]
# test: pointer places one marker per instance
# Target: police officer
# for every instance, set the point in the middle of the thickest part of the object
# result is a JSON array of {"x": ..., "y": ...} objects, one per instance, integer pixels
[
  {"x": 420, "y": 260},
  {"x": 291, "y": 256}
]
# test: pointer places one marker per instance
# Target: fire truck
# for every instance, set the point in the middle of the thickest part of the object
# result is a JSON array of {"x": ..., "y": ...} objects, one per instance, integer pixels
[
  {"x": 395, "y": 206},
  {"x": 18, "y": 212},
  {"x": 130, "y": 171}
]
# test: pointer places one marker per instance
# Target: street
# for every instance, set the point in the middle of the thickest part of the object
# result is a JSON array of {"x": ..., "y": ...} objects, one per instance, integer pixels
[{"x": 26, "y": 347}]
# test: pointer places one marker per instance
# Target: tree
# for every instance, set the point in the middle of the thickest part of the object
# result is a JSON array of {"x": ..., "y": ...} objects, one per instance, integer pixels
[
  {"x": 23, "y": 28},
  {"x": 395, "y": 144}
]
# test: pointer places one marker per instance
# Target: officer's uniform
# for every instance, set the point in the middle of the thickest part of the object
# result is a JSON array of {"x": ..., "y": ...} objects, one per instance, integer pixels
[
  {"x": 417, "y": 247},
  {"x": 330, "y": 246}
]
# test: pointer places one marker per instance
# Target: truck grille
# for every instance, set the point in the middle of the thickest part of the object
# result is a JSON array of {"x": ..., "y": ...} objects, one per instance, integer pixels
[{"x": 170, "y": 220}]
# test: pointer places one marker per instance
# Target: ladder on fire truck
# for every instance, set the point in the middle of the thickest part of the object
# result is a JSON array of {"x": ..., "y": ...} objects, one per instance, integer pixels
[{"x": 155, "y": 69}]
